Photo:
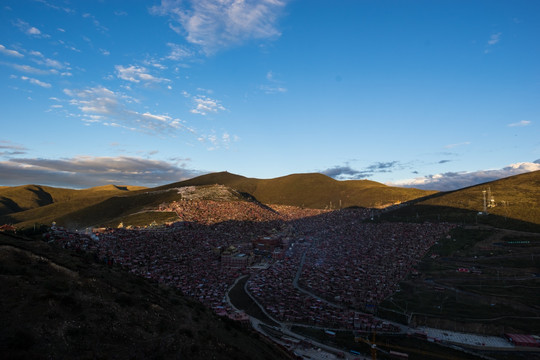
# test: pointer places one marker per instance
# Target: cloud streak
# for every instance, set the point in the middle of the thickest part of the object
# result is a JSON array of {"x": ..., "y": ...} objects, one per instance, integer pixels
[
  {"x": 8, "y": 149},
  {"x": 347, "y": 173},
  {"x": 520, "y": 123},
  {"x": 88, "y": 171},
  {"x": 36, "y": 82},
  {"x": 10, "y": 52}
]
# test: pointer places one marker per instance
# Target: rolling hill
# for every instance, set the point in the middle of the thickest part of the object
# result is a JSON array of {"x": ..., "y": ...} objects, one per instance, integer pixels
[
  {"x": 28, "y": 197},
  {"x": 27, "y": 205},
  {"x": 516, "y": 199},
  {"x": 310, "y": 190}
]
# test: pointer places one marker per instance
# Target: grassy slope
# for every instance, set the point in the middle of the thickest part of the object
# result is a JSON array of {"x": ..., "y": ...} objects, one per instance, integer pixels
[
  {"x": 517, "y": 202},
  {"x": 310, "y": 190},
  {"x": 27, "y": 197},
  {"x": 20, "y": 198},
  {"x": 29, "y": 204},
  {"x": 63, "y": 305},
  {"x": 116, "y": 209}
]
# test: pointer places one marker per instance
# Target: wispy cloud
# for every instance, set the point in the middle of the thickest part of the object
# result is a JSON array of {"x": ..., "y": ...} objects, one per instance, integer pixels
[
  {"x": 137, "y": 74},
  {"x": 493, "y": 39},
  {"x": 10, "y": 52},
  {"x": 53, "y": 6},
  {"x": 520, "y": 123},
  {"x": 101, "y": 105},
  {"x": 273, "y": 85},
  {"x": 87, "y": 171},
  {"x": 8, "y": 149},
  {"x": 217, "y": 142},
  {"x": 451, "y": 146},
  {"x": 178, "y": 52},
  {"x": 36, "y": 82},
  {"x": 457, "y": 180},
  {"x": 40, "y": 59},
  {"x": 96, "y": 23},
  {"x": 30, "y": 69},
  {"x": 218, "y": 24}
]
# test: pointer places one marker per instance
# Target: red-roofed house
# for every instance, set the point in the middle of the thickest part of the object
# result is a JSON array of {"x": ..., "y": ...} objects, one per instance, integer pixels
[{"x": 523, "y": 340}]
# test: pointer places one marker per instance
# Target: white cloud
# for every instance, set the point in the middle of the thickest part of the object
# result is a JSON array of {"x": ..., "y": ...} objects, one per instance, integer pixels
[
  {"x": 33, "y": 31},
  {"x": 206, "y": 105},
  {"x": 28, "y": 29},
  {"x": 520, "y": 123},
  {"x": 137, "y": 74},
  {"x": 457, "y": 180},
  {"x": 36, "y": 82},
  {"x": 9, "y": 52},
  {"x": 217, "y": 24},
  {"x": 102, "y": 105},
  {"x": 105, "y": 52},
  {"x": 86, "y": 171}
]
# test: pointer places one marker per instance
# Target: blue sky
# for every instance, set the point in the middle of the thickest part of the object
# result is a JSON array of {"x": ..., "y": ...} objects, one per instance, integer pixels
[{"x": 432, "y": 94}]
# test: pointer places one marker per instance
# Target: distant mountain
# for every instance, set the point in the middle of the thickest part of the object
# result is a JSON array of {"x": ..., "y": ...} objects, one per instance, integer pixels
[
  {"x": 310, "y": 190},
  {"x": 70, "y": 306},
  {"x": 515, "y": 198}
]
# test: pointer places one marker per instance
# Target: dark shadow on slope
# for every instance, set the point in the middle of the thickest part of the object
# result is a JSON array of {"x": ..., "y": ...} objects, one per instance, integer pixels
[
  {"x": 44, "y": 198},
  {"x": 8, "y": 206},
  {"x": 421, "y": 213}
]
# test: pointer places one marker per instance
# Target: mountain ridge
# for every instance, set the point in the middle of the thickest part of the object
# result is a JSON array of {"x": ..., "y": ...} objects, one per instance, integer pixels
[{"x": 25, "y": 206}]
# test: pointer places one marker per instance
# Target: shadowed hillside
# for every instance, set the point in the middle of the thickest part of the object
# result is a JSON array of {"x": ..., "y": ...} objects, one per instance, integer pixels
[
  {"x": 63, "y": 305},
  {"x": 516, "y": 204},
  {"x": 310, "y": 190}
]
